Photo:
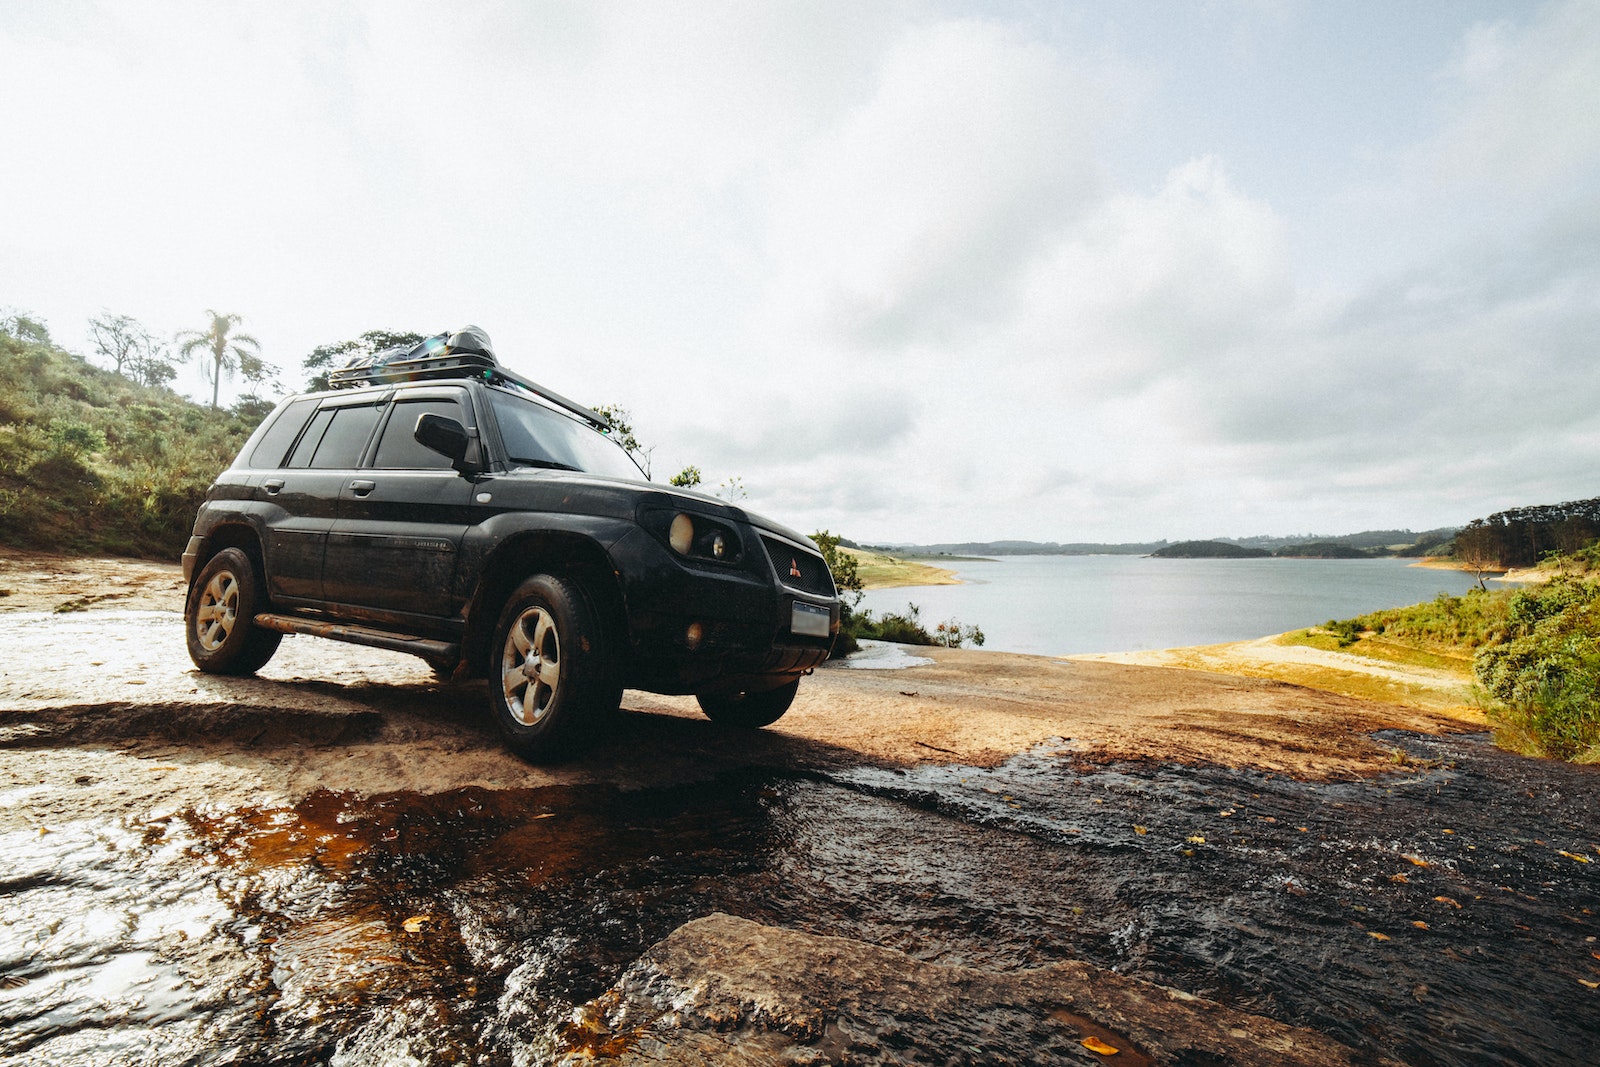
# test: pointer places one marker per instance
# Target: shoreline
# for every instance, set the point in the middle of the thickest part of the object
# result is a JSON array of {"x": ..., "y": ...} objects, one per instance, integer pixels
[
  {"x": 1445, "y": 687},
  {"x": 60, "y": 586},
  {"x": 879, "y": 570}
]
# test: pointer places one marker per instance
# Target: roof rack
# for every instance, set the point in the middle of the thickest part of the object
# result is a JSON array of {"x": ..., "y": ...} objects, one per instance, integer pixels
[{"x": 438, "y": 362}]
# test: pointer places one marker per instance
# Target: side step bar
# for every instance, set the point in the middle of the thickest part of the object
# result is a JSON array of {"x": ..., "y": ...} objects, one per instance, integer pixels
[{"x": 443, "y": 652}]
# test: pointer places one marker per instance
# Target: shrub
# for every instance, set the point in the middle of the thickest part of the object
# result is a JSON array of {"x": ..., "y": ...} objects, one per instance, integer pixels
[
  {"x": 1448, "y": 622},
  {"x": 907, "y": 629},
  {"x": 93, "y": 462},
  {"x": 1544, "y": 677}
]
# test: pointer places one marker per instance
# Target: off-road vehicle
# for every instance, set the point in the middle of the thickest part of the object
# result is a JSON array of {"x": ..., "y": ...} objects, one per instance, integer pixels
[{"x": 435, "y": 503}]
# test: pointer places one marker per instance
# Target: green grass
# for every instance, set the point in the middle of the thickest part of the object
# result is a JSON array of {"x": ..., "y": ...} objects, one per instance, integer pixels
[
  {"x": 91, "y": 463},
  {"x": 1534, "y": 651},
  {"x": 880, "y": 571}
]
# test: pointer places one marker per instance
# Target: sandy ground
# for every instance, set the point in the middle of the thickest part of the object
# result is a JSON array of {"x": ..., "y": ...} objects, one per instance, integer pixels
[
  {"x": 94, "y": 655},
  {"x": 1447, "y": 691}
]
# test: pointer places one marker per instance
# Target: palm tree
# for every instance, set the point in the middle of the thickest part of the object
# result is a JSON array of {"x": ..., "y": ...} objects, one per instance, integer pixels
[{"x": 227, "y": 351}]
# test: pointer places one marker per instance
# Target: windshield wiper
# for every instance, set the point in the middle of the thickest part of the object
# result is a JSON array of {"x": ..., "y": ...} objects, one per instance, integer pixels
[{"x": 547, "y": 463}]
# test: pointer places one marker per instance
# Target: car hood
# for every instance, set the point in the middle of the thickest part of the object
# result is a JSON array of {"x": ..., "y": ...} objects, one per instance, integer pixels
[{"x": 630, "y": 494}]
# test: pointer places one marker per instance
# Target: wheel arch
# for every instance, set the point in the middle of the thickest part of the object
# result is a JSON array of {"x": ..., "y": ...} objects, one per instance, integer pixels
[
  {"x": 233, "y": 534},
  {"x": 568, "y": 555}
]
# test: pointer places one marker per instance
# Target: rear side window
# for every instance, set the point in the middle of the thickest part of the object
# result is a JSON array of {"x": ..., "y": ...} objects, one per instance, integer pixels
[
  {"x": 335, "y": 437},
  {"x": 399, "y": 450},
  {"x": 301, "y": 457},
  {"x": 269, "y": 451}
]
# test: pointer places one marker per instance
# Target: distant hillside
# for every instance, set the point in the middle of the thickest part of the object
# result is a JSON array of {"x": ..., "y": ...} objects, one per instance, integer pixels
[
  {"x": 1209, "y": 550},
  {"x": 1342, "y": 546},
  {"x": 1395, "y": 542},
  {"x": 1020, "y": 548},
  {"x": 92, "y": 462},
  {"x": 1328, "y": 550}
]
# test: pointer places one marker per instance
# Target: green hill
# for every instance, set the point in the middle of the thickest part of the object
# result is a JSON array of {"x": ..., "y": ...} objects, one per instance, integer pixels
[
  {"x": 91, "y": 462},
  {"x": 1209, "y": 550}
]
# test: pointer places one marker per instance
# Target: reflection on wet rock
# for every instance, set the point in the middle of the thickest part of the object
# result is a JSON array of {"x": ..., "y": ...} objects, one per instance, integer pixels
[{"x": 874, "y": 907}]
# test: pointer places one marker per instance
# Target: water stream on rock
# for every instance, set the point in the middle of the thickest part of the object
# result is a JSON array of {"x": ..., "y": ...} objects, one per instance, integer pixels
[{"x": 1442, "y": 914}]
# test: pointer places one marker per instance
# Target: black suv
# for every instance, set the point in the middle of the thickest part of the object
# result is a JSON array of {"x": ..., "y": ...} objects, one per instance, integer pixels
[{"x": 436, "y": 504}]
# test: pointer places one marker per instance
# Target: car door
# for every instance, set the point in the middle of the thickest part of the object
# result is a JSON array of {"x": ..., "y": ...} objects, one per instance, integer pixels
[
  {"x": 394, "y": 546},
  {"x": 302, "y": 494}
]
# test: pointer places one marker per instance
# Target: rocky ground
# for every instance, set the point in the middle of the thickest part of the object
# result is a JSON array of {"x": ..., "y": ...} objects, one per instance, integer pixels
[{"x": 104, "y": 721}]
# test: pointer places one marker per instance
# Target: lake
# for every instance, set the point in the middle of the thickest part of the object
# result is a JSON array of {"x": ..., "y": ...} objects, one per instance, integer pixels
[{"x": 1060, "y": 605}]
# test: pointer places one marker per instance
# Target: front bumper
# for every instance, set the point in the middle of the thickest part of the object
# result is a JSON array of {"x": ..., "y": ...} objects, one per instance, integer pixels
[
  {"x": 190, "y": 555},
  {"x": 713, "y": 629}
]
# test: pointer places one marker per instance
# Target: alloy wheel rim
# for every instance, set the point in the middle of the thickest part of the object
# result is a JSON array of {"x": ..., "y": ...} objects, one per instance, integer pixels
[
  {"x": 218, "y": 612},
  {"x": 530, "y": 666}
]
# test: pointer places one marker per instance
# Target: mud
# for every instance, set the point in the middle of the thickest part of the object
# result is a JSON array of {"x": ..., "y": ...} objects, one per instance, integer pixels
[{"x": 335, "y": 863}]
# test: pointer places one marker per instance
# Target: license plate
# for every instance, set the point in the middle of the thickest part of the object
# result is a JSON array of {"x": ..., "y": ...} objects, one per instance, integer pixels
[{"x": 808, "y": 619}]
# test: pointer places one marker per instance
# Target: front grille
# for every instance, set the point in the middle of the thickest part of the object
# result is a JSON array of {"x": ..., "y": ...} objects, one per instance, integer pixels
[{"x": 813, "y": 576}]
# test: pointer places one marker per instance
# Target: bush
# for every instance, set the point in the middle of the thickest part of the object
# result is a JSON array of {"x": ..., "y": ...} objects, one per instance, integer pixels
[
  {"x": 93, "y": 462},
  {"x": 1445, "y": 622},
  {"x": 907, "y": 629},
  {"x": 1544, "y": 678}
]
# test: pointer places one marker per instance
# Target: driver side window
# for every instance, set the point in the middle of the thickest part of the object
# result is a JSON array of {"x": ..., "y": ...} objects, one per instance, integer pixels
[{"x": 399, "y": 449}]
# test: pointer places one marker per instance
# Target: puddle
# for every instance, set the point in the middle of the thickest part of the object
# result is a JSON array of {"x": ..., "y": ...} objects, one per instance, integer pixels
[
  {"x": 880, "y": 656},
  {"x": 465, "y": 927}
]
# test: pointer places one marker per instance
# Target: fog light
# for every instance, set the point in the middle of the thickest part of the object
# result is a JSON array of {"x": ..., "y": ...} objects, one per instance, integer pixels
[
  {"x": 695, "y": 634},
  {"x": 681, "y": 536},
  {"x": 719, "y": 546}
]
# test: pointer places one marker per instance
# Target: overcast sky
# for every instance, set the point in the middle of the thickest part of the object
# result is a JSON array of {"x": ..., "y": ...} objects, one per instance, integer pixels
[{"x": 912, "y": 271}]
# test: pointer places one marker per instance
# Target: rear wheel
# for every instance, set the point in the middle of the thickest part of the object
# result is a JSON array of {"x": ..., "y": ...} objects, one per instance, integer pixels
[
  {"x": 551, "y": 688},
  {"x": 218, "y": 616},
  {"x": 750, "y": 711}
]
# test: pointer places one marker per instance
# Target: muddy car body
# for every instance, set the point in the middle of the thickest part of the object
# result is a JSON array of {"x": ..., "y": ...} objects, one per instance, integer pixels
[{"x": 438, "y": 505}]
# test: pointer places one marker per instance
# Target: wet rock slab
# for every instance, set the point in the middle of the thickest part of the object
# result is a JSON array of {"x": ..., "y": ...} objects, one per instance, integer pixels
[{"x": 727, "y": 990}]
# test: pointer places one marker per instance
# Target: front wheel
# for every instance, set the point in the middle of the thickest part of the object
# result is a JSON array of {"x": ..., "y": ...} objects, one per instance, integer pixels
[
  {"x": 750, "y": 711},
  {"x": 550, "y": 686},
  {"x": 218, "y": 616}
]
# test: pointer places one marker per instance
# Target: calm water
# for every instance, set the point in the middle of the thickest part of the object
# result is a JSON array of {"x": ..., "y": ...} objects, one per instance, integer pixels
[{"x": 1059, "y": 605}]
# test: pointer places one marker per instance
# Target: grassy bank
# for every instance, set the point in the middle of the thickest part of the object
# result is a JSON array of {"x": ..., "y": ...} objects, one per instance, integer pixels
[
  {"x": 1526, "y": 662},
  {"x": 880, "y": 571},
  {"x": 93, "y": 463}
]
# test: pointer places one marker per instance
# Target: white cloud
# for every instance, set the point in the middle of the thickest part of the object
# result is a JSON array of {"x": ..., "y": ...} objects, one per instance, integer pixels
[
  {"x": 1150, "y": 284},
  {"x": 1524, "y": 101},
  {"x": 878, "y": 260},
  {"x": 913, "y": 215}
]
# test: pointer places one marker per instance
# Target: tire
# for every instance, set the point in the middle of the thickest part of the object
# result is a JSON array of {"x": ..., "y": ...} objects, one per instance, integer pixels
[
  {"x": 749, "y": 711},
  {"x": 551, "y": 686},
  {"x": 217, "y": 617}
]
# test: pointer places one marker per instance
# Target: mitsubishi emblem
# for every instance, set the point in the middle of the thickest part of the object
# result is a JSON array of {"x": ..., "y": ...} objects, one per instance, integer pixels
[{"x": 794, "y": 568}]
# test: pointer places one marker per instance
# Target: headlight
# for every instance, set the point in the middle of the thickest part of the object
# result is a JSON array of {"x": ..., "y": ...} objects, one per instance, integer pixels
[
  {"x": 681, "y": 536},
  {"x": 698, "y": 537}
]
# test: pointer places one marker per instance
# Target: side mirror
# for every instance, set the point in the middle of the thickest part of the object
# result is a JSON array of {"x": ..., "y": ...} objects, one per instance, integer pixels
[{"x": 447, "y": 437}]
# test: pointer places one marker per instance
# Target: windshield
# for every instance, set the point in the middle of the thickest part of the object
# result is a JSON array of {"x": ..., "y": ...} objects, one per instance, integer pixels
[{"x": 536, "y": 436}]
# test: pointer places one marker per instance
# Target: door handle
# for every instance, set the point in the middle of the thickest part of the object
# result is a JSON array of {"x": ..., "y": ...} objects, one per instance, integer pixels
[
  {"x": 272, "y": 486},
  {"x": 361, "y": 487}
]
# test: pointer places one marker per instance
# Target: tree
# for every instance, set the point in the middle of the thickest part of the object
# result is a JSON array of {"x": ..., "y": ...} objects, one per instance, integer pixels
[
  {"x": 325, "y": 359},
  {"x": 842, "y": 565},
  {"x": 24, "y": 327},
  {"x": 622, "y": 432},
  {"x": 226, "y": 351},
  {"x": 151, "y": 364},
  {"x": 131, "y": 349},
  {"x": 1479, "y": 548},
  {"x": 687, "y": 478},
  {"x": 116, "y": 338}
]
